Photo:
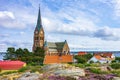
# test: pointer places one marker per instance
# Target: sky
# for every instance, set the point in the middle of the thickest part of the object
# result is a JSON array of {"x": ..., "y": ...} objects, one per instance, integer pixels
[{"x": 85, "y": 24}]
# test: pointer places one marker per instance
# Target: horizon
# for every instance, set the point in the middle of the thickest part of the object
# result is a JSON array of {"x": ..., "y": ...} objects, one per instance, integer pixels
[{"x": 85, "y": 26}]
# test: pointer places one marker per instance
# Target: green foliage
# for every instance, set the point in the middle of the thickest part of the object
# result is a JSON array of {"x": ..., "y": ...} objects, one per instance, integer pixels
[
  {"x": 84, "y": 58},
  {"x": 117, "y": 60},
  {"x": 117, "y": 72},
  {"x": 35, "y": 69},
  {"x": 11, "y": 53},
  {"x": 8, "y": 72},
  {"x": 97, "y": 71},
  {"x": 95, "y": 65},
  {"x": 23, "y": 69},
  {"x": 79, "y": 65},
  {"x": 115, "y": 65},
  {"x": 91, "y": 62},
  {"x": 114, "y": 61},
  {"x": 39, "y": 52},
  {"x": 35, "y": 58}
]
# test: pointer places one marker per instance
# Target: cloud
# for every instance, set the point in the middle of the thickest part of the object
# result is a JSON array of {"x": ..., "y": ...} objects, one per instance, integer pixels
[
  {"x": 116, "y": 5},
  {"x": 64, "y": 22},
  {"x": 8, "y": 20},
  {"x": 16, "y": 43},
  {"x": 107, "y": 33},
  {"x": 4, "y": 35}
]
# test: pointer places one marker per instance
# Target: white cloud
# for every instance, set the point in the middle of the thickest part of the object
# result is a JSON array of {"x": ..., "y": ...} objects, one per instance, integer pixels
[
  {"x": 116, "y": 4},
  {"x": 4, "y": 35},
  {"x": 4, "y": 44},
  {"x": 66, "y": 22},
  {"x": 6, "y": 14},
  {"x": 107, "y": 33},
  {"x": 8, "y": 20},
  {"x": 22, "y": 33}
]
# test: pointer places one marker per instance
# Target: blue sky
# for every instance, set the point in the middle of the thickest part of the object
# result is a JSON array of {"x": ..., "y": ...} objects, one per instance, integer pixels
[{"x": 85, "y": 24}]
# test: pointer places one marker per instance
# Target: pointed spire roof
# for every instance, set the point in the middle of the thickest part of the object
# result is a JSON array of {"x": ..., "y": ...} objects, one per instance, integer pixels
[{"x": 39, "y": 21}]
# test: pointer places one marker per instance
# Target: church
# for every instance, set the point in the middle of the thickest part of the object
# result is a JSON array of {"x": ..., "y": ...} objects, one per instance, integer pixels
[{"x": 55, "y": 52}]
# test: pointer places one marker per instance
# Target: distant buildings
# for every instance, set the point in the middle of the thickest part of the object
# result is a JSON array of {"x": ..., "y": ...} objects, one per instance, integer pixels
[
  {"x": 58, "y": 50},
  {"x": 102, "y": 57}
]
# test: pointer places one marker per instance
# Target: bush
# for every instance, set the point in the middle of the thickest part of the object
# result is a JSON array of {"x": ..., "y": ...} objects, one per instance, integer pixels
[
  {"x": 91, "y": 62},
  {"x": 23, "y": 69},
  {"x": 95, "y": 65},
  {"x": 79, "y": 65},
  {"x": 117, "y": 72},
  {"x": 114, "y": 61},
  {"x": 84, "y": 58},
  {"x": 35, "y": 68},
  {"x": 97, "y": 71},
  {"x": 87, "y": 65},
  {"x": 115, "y": 65}
]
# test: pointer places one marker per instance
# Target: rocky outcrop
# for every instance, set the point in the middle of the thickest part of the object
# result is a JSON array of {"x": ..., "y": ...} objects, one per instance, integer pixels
[
  {"x": 29, "y": 76},
  {"x": 63, "y": 70}
]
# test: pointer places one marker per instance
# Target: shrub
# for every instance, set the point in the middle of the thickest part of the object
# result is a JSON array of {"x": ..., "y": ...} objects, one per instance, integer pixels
[
  {"x": 115, "y": 65},
  {"x": 95, "y": 65},
  {"x": 98, "y": 71},
  {"x": 23, "y": 69},
  {"x": 87, "y": 65},
  {"x": 114, "y": 61},
  {"x": 117, "y": 72},
  {"x": 79, "y": 65},
  {"x": 91, "y": 62}
]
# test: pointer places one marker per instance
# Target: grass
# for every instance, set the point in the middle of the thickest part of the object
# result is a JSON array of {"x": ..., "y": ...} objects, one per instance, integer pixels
[
  {"x": 8, "y": 72},
  {"x": 24, "y": 69},
  {"x": 117, "y": 72},
  {"x": 98, "y": 71}
]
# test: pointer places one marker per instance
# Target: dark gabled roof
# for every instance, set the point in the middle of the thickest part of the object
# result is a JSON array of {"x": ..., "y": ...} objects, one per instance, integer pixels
[
  {"x": 55, "y": 46},
  {"x": 60, "y": 45}
]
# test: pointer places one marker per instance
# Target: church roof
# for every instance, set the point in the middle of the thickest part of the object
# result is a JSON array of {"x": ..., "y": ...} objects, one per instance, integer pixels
[
  {"x": 55, "y": 46},
  {"x": 39, "y": 21}
]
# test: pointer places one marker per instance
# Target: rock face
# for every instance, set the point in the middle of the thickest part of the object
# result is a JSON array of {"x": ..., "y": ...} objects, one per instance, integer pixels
[
  {"x": 116, "y": 78},
  {"x": 63, "y": 70},
  {"x": 29, "y": 76}
]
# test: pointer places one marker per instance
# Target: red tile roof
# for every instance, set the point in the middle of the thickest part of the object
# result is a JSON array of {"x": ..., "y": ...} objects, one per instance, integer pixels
[
  {"x": 49, "y": 59},
  {"x": 98, "y": 57},
  {"x": 11, "y": 65},
  {"x": 81, "y": 53},
  {"x": 102, "y": 55}
]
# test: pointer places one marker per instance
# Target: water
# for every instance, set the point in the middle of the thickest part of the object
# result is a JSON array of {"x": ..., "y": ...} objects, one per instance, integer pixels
[{"x": 3, "y": 54}]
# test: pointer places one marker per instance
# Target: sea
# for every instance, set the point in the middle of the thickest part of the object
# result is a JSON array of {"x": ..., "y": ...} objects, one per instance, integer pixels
[{"x": 2, "y": 54}]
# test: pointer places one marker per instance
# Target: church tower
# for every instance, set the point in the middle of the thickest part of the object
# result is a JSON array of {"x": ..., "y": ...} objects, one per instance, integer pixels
[{"x": 38, "y": 34}]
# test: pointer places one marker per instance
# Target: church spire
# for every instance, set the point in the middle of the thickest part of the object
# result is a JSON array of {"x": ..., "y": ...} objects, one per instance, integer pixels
[{"x": 39, "y": 21}]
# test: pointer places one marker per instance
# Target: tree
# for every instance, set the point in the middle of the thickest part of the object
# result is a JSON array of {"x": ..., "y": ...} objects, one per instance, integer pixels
[
  {"x": 26, "y": 56},
  {"x": 83, "y": 58},
  {"x": 10, "y": 53},
  {"x": 39, "y": 52},
  {"x": 19, "y": 53}
]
